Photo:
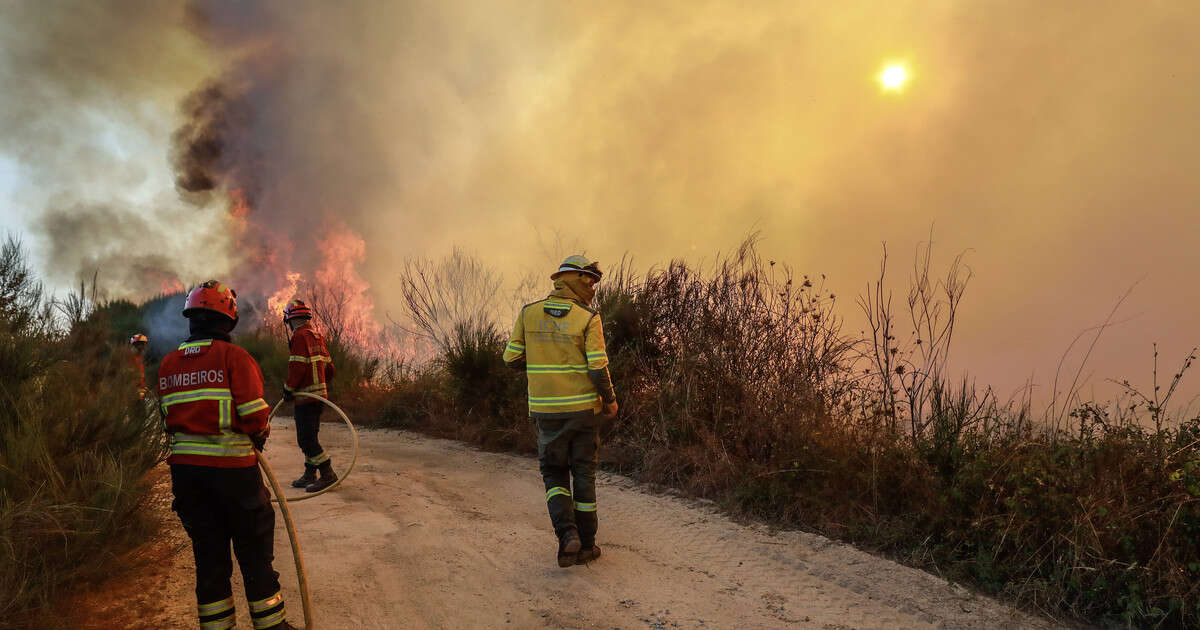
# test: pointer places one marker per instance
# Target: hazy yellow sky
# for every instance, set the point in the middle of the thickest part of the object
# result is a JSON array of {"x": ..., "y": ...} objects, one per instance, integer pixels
[{"x": 1056, "y": 141}]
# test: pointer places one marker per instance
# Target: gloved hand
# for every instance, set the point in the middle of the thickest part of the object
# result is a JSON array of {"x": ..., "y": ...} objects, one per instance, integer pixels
[
  {"x": 259, "y": 440},
  {"x": 288, "y": 396},
  {"x": 610, "y": 410}
]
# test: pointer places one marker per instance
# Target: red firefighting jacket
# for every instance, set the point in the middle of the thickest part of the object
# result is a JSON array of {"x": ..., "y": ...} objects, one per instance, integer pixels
[
  {"x": 139, "y": 368},
  {"x": 310, "y": 367},
  {"x": 211, "y": 396}
]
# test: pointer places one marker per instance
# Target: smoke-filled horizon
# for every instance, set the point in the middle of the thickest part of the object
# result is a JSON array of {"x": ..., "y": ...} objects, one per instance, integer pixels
[{"x": 1053, "y": 141}]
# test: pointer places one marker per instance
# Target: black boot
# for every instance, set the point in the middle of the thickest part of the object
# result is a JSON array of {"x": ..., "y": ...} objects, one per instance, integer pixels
[
  {"x": 328, "y": 477},
  {"x": 568, "y": 547},
  {"x": 310, "y": 476}
]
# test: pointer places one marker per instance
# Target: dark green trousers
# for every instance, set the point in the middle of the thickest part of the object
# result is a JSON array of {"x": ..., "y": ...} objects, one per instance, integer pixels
[{"x": 567, "y": 455}]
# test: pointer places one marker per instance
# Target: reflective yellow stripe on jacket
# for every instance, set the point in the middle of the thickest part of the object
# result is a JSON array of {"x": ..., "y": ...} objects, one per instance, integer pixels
[
  {"x": 582, "y": 368},
  {"x": 318, "y": 387},
  {"x": 223, "y": 396},
  {"x": 551, "y": 403},
  {"x": 225, "y": 444},
  {"x": 257, "y": 404},
  {"x": 316, "y": 358}
]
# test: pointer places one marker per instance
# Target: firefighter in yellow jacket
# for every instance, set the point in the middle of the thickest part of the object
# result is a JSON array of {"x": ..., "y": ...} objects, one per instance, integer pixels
[{"x": 559, "y": 342}]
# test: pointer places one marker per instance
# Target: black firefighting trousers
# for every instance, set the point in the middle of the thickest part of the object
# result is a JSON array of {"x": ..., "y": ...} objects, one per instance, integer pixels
[
  {"x": 308, "y": 425},
  {"x": 567, "y": 455},
  {"x": 219, "y": 506}
]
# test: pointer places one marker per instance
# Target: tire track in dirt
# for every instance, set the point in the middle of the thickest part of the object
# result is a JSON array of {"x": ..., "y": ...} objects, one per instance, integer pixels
[{"x": 434, "y": 534}]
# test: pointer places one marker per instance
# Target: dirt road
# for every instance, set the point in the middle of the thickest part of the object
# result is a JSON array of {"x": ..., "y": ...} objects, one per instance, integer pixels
[{"x": 433, "y": 534}]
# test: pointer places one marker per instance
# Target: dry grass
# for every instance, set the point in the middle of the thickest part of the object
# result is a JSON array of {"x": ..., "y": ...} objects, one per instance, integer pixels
[{"x": 737, "y": 384}]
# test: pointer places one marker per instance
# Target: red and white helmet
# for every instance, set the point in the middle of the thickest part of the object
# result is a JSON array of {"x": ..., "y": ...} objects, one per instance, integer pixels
[
  {"x": 212, "y": 296},
  {"x": 139, "y": 338},
  {"x": 296, "y": 308}
]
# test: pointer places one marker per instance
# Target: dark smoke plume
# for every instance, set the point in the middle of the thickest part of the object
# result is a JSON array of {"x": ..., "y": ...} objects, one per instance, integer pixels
[
  {"x": 128, "y": 253},
  {"x": 197, "y": 145}
]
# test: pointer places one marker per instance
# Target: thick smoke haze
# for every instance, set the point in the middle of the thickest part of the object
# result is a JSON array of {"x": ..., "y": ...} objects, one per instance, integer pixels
[
  {"x": 89, "y": 91},
  {"x": 1053, "y": 140}
]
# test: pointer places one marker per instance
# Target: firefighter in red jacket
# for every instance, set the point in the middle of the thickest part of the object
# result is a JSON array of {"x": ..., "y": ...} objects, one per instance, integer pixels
[
  {"x": 310, "y": 368},
  {"x": 211, "y": 393},
  {"x": 137, "y": 350}
]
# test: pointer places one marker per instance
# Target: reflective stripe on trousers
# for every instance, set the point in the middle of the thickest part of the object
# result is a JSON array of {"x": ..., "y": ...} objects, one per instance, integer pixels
[
  {"x": 567, "y": 458},
  {"x": 268, "y": 611},
  {"x": 217, "y": 615}
]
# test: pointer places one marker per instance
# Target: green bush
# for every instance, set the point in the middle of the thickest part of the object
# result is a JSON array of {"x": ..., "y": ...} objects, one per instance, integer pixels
[
  {"x": 77, "y": 444},
  {"x": 466, "y": 394},
  {"x": 270, "y": 349}
]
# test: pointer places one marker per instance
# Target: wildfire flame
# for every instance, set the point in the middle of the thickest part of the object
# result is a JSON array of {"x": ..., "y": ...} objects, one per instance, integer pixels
[
  {"x": 277, "y": 302},
  {"x": 346, "y": 293},
  {"x": 170, "y": 286},
  {"x": 333, "y": 287}
]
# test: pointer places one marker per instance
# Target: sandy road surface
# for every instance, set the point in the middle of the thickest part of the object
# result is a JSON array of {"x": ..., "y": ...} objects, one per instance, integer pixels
[{"x": 433, "y": 534}]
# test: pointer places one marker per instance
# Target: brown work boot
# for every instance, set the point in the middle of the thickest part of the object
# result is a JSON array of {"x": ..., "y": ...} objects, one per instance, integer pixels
[
  {"x": 328, "y": 478},
  {"x": 587, "y": 554},
  {"x": 568, "y": 547}
]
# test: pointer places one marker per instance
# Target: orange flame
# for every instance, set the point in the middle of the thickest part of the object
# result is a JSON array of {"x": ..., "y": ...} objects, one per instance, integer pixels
[
  {"x": 343, "y": 289},
  {"x": 277, "y": 302},
  {"x": 337, "y": 293},
  {"x": 172, "y": 286}
]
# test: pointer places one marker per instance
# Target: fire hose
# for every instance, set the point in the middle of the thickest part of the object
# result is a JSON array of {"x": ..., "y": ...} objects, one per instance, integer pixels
[{"x": 283, "y": 501}]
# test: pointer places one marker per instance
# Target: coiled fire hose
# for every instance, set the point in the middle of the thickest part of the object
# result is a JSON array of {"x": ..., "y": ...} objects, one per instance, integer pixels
[
  {"x": 305, "y": 599},
  {"x": 353, "y": 456}
]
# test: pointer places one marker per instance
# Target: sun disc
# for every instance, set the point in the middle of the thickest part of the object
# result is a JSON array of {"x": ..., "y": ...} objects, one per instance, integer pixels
[{"x": 893, "y": 77}]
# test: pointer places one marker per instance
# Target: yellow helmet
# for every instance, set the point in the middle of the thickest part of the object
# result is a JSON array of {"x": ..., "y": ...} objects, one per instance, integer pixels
[{"x": 579, "y": 263}]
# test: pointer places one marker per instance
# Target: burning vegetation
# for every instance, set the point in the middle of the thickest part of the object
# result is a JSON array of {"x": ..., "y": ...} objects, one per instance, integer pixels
[{"x": 283, "y": 252}]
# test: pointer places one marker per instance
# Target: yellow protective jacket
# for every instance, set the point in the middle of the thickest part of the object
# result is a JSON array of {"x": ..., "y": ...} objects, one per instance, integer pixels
[{"x": 560, "y": 342}]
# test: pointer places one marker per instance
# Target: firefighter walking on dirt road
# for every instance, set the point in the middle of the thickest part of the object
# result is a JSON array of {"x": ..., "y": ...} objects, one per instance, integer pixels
[
  {"x": 310, "y": 368},
  {"x": 559, "y": 342},
  {"x": 210, "y": 391}
]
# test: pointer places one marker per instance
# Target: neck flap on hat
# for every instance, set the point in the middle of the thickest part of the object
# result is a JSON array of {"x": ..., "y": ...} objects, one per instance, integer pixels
[{"x": 572, "y": 285}]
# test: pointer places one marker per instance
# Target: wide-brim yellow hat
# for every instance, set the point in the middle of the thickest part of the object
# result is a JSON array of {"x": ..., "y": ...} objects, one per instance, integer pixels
[{"x": 581, "y": 264}]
